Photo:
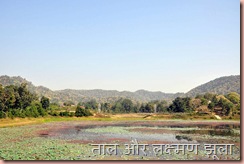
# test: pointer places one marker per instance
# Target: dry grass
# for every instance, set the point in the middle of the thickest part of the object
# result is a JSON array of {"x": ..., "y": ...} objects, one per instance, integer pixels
[
  {"x": 129, "y": 115},
  {"x": 19, "y": 121},
  {"x": 107, "y": 117}
]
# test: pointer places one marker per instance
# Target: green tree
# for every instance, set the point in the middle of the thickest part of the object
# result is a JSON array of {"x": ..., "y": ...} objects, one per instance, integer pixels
[
  {"x": 149, "y": 108},
  {"x": 211, "y": 106},
  {"x": 32, "y": 111},
  {"x": 45, "y": 102},
  {"x": 162, "y": 106},
  {"x": 25, "y": 96},
  {"x": 227, "y": 106},
  {"x": 9, "y": 96},
  {"x": 215, "y": 100},
  {"x": 233, "y": 97},
  {"x": 42, "y": 112},
  {"x": 2, "y": 114},
  {"x": 136, "y": 108},
  {"x": 82, "y": 112},
  {"x": 127, "y": 105},
  {"x": 142, "y": 108},
  {"x": 117, "y": 107},
  {"x": 2, "y": 104},
  {"x": 180, "y": 105},
  {"x": 123, "y": 106},
  {"x": 92, "y": 104},
  {"x": 204, "y": 101}
]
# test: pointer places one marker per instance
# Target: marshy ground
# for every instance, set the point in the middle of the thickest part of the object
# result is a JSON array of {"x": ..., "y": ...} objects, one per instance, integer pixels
[{"x": 71, "y": 140}]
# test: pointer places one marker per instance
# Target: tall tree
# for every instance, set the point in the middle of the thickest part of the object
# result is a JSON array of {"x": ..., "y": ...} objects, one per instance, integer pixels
[
  {"x": 45, "y": 102},
  {"x": 25, "y": 96},
  {"x": 181, "y": 105}
]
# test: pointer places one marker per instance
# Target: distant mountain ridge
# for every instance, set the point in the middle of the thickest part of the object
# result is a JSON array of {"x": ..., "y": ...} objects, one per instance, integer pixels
[{"x": 220, "y": 85}]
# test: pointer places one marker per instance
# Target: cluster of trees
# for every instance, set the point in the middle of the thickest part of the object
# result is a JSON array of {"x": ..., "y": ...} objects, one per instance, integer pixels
[
  {"x": 207, "y": 103},
  {"x": 82, "y": 112},
  {"x": 17, "y": 101},
  {"x": 125, "y": 105}
]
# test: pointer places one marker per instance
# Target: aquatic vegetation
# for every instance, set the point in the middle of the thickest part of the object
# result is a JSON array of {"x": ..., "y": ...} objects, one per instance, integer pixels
[
  {"x": 110, "y": 129},
  {"x": 71, "y": 140}
]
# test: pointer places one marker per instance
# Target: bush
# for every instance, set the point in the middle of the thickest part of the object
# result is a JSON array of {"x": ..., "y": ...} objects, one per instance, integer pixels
[
  {"x": 67, "y": 114},
  {"x": 54, "y": 113},
  {"x": 27, "y": 112},
  {"x": 22, "y": 115},
  {"x": 82, "y": 112},
  {"x": 54, "y": 107},
  {"x": 64, "y": 114},
  {"x": 71, "y": 114},
  {"x": 31, "y": 111},
  {"x": 10, "y": 114},
  {"x": 34, "y": 111},
  {"x": 2, "y": 114},
  {"x": 42, "y": 112}
]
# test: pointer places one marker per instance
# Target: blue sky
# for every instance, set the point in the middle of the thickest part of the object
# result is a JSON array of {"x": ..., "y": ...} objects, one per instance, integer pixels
[{"x": 158, "y": 45}]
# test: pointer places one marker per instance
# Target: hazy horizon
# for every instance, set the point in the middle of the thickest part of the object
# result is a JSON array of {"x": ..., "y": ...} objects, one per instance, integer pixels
[{"x": 157, "y": 45}]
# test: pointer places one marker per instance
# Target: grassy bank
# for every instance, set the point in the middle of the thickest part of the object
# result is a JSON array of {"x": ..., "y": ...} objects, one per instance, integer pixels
[{"x": 8, "y": 122}]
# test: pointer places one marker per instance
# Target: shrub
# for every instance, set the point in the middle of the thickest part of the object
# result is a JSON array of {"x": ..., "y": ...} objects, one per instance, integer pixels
[
  {"x": 64, "y": 114},
  {"x": 42, "y": 112},
  {"x": 67, "y": 114},
  {"x": 14, "y": 113},
  {"x": 54, "y": 113},
  {"x": 71, "y": 114},
  {"x": 82, "y": 112},
  {"x": 31, "y": 111},
  {"x": 2, "y": 114},
  {"x": 10, "y": 114},
  {"x": 27, "y": 112},
  {"x": 22, "y": 114}
]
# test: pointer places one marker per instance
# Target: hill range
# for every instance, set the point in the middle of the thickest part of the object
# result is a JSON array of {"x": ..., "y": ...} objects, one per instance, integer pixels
[{"x": 222, "y": 85}]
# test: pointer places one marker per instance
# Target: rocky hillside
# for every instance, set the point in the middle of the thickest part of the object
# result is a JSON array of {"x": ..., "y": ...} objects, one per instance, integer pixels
[{"x": 222, "y": 85}]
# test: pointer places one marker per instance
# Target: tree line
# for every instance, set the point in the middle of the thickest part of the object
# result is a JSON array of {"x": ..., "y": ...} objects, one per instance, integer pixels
[
  {"x": 17, "y": 101},
  {"x": 223, "y": 105}
]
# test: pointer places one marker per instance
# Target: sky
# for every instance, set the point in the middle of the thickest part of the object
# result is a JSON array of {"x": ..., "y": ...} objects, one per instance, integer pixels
[{"x": 157, "y": 45}]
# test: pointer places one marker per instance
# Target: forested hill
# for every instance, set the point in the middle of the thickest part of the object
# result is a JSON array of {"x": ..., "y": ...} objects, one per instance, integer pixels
[
  {"x": 86, "y": 95},
  {"x": 222, "y": 85},
  {"x": 17, "y": 80},
  {"x": 113, "y": 95}
]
